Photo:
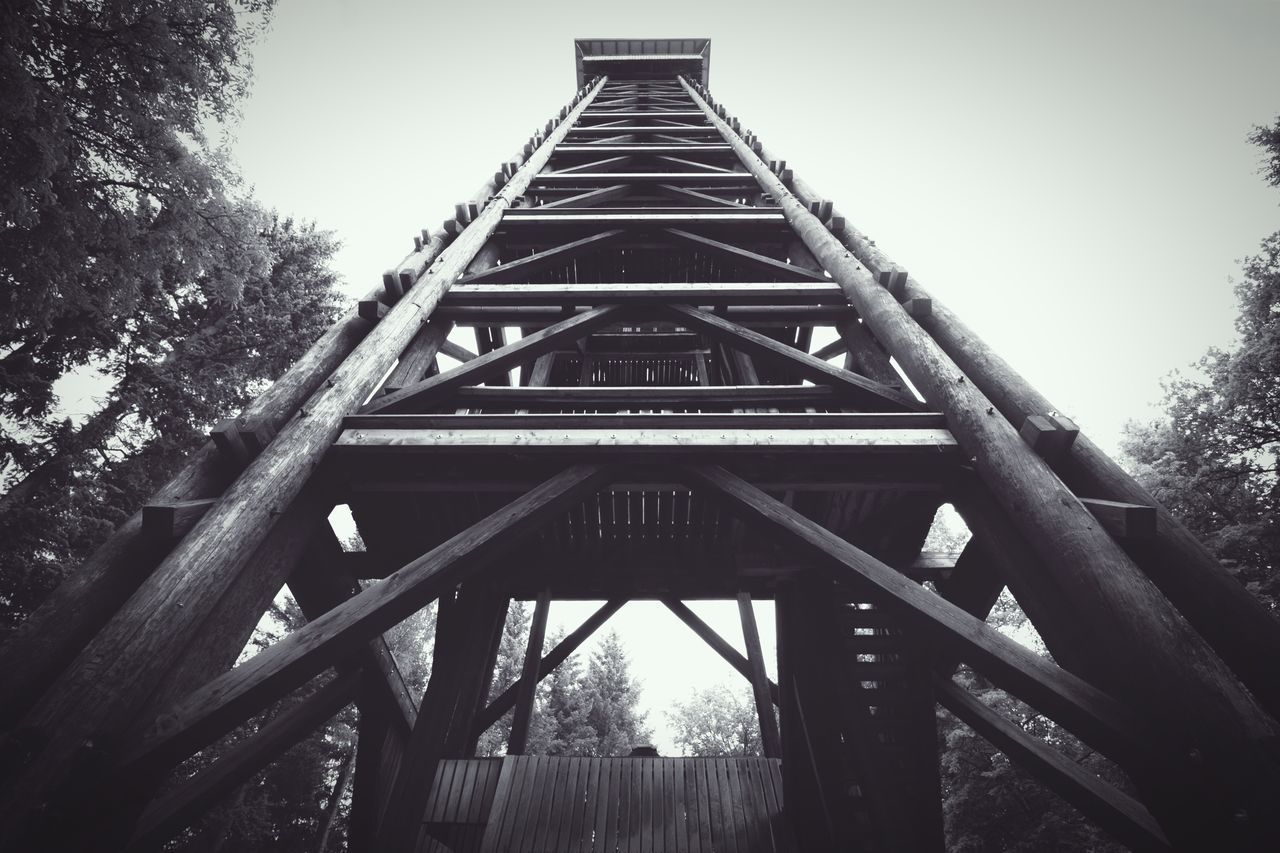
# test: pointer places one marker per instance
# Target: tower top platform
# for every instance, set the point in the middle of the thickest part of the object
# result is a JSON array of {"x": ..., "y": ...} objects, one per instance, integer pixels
[{"x": 642, "y": 58}]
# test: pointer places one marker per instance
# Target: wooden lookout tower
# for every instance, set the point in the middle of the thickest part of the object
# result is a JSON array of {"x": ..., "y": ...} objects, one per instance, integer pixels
[{"x": 645, "y": 415}]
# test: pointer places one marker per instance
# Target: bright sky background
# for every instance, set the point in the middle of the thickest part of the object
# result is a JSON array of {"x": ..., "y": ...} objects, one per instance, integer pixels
[{"x": 1071, "y": 178}]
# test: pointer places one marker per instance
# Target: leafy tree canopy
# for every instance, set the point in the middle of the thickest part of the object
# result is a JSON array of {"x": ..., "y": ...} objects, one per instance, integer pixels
[{"x": 717, "y": 721}]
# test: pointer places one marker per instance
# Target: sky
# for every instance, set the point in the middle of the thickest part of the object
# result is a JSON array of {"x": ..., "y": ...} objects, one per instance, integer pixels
[{"x": 1072, "y": 179}]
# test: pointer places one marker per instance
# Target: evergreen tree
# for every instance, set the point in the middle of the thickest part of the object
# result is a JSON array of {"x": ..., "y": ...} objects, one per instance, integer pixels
[
  {"x": 172, "y": 377},
  {"x": 506, "y": 672},
  {"x": 613, "y": 695},
  {"x": 564, "y": 709}
]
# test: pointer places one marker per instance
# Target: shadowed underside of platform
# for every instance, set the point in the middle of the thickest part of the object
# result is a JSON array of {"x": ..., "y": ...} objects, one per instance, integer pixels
[{"x": 544, "y": 803}]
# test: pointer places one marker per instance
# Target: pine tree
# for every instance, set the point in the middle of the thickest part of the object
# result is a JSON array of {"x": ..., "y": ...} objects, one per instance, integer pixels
[
  {"x": 565, "y": 709},
  {"x": 613, "y": 695}
]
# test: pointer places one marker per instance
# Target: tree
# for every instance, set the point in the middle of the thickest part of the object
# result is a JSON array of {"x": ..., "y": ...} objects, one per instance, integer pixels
[
  {"x": 1268, "y": 139},
  {"x": 613, "y": 695},
  {"x": 563, "y": 719},
  {"x": 506, "y": 672},
  {"x": 1214, "y": 461},
  {"x": 172, "y": 375},
  {"x": 990, "y": 804},
  {"x": 717, "y": 721},
  {"x": 112, "y": 196}
]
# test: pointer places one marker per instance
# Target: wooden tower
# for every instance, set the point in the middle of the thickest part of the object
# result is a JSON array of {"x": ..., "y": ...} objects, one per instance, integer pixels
[{"x": 643, "y": 418}]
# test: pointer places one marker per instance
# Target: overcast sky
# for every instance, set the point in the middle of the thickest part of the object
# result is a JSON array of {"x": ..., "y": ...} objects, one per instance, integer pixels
[{"x": 1071, "y": 178}]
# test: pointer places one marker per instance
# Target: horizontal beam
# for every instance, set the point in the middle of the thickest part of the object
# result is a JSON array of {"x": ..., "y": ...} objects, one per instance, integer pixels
[
  {"x": 719, "y": 293},
  {"x": 905, "y": 421},
  {"x": 565, "y": 176},
  {"x": 643, "y": 397},
  {"x": 690, "y": 148},
  {"x": 608, "y": 443}
]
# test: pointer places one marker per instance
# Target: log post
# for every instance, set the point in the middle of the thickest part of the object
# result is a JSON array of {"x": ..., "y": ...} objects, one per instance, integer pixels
[
  {"x": 1226, "y": 614},
  {"x": 99, "y": 697},
  {"x": 1139, "y": 649},
  {"x": 518, "y": 742}
]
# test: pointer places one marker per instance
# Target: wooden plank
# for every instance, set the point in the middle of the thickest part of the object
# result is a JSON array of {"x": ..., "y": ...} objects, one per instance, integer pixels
[
  {"x": 694, "y": 422},
  {"x": 521, "y": 267},
  {"x": 572, "y": 397},
  {"x": 225, "y": 700},
  {"x": 566, "y": 331},
  {"x": 498, "y": 813},
  {"x": 1091, "y": 714},
  {"x": 1112, "y": 809},
  {"x": 714, "y": 293},
  {"x": 863, "y": 390},
  {"x": 761, "y": 687},
  {"x": 529, "y": 677},
  {"x": 603, "y": 442}
]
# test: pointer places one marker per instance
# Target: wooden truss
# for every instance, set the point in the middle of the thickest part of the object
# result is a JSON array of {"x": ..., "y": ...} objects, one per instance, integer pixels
[{"x": 645, "y": 416}]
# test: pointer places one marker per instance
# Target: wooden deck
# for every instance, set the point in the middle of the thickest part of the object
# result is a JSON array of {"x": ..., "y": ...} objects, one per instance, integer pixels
[{"x": 542, "y": 803}]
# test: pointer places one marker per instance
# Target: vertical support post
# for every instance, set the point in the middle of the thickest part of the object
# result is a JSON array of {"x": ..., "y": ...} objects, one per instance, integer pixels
[
  {"x": 519, "y": 739},
  {"x": 769, "y": 740},
  {"x": 1136, "y": 646},
  {"x": 104, "y": 693}
]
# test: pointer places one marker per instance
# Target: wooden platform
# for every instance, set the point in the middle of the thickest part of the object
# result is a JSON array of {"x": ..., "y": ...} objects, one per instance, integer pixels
[{"x": 541, "y": 803}]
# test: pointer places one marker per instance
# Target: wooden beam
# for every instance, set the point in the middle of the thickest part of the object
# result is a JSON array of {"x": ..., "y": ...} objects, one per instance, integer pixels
[
  {"x": 772, "y": 265},
  {"x": 489, "y": 364},
  {"x": 718, "y": 293},
  {"x": 1124, "y": 521},
  {"x": 605, "y": 164},
  {"x": 694, "y": 421},
  {"x": 211, "y": 710},
  {"x": 528, "y": 684},
  {"x": 866, "y": 392},
  {"x": 419, "y": 357},
  {"x": 760, "y": 685},
  {"x": 457, "y": 351},
  {"x": 684, "y": 193},
  {"x": 1111, "y": 809},
  {"x": 168, "y": 522},
  {"x": 604, "y": 443},
  {"x": 718, "y": 644},
  {"x": 506, "y": 700},
  {"x": 630, "y": 397},
  {"x": 590, "y": 198},
  {"x": 1228, "y": 616},
  {"x": 101, "y": 696},
  {"x": 1092, "y": 715},
  {"x": 175, "y": 811},
  {"x": 1140, "y": 650},
  {"x": 522, "y": 267}
]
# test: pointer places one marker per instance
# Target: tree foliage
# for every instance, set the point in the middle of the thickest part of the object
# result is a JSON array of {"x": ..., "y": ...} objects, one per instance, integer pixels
[
  {"x": 716, "y": 721},
  {"x": 1214, "y": 460},
  {"x": 613, "y": 697}
]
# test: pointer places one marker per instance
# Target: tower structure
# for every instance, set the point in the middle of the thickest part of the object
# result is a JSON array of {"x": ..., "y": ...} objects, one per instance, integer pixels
[{"x": 645, "y": 416}]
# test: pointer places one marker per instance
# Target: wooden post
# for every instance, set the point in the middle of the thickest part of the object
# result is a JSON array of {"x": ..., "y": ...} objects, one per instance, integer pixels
[
  {"x": 769, "y": 742},
  {"x": 519, "y": 738},
  {"x": 1140, "y": 649},
  {"x": 101, "y": 695},
  {"x": 1234, "y": 623}
]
